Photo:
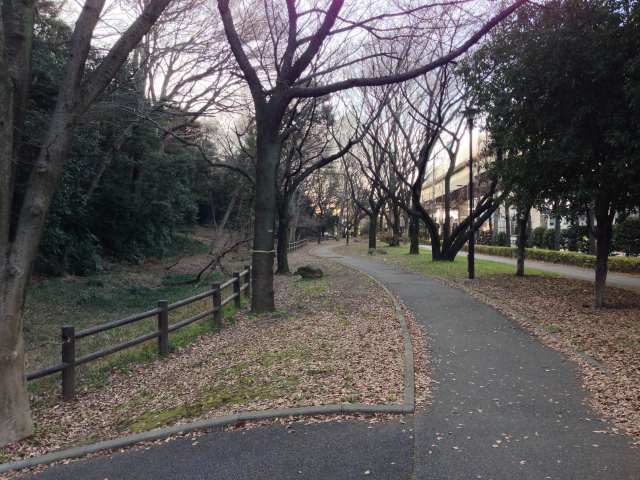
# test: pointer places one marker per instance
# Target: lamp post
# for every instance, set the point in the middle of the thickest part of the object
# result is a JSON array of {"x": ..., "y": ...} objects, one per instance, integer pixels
[{"x": 470, "y": 113}]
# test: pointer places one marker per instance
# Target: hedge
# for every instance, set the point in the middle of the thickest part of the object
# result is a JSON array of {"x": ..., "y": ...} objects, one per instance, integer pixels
[{"x": 616, "y": 264}]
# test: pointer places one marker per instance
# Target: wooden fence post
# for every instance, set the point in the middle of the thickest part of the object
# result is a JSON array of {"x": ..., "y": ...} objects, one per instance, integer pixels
[
  {"x": 163, "y": 327},
  {"x": 236, "y": 289},
  {"x": 69, "y": 359},
  {"x": 248, "y": 281},
  {"x": 217, "y": 304}
]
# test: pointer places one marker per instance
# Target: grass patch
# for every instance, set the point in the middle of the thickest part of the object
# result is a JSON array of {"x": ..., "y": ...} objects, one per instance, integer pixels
[
  {"x": 105, "y": 296},
  {"x": 553, "y": 328},
  {"x": 95, "y": 375},
  {"x": 247, "y": 388},
  {"x": 313, "y": 287},
  {"x": 272, "y": 358},
  {"x": 445, "y": 269}
]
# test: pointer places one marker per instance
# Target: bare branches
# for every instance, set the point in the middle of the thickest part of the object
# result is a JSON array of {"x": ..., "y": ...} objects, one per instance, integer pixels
[{"x": 413, "y": 73}]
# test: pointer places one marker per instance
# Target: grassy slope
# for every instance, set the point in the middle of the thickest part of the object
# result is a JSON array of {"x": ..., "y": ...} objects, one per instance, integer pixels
[{"x": 98, "y": 298}]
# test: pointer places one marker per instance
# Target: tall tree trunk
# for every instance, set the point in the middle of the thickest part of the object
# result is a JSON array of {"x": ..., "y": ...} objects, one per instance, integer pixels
[
  {"x": 523, "y": 220},
  {"x": 507, "y": 222},
  {"x": 15, "y": 416},
  {"x": 414, "y": 235},
  {"x": 603, "y": 231},
  {"x": 395, "y": 226},
  {"x": 557, "y": 227},
  {"x": 268, "y": 152},
  {"x": 590, "y": 231},
  {"x": 283, "y": 238},
  {"x": 373, "y": 230}
]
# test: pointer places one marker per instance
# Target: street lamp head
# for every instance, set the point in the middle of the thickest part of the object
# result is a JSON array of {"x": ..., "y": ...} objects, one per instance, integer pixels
[{"x": 470, "y": 113}]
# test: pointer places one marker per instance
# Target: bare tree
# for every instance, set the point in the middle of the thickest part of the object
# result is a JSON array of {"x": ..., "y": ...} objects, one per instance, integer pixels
[
  {"x": 23, "y": 210},
  {"x": 369, "y": 177},
  {"x": 303, "y": 56}
]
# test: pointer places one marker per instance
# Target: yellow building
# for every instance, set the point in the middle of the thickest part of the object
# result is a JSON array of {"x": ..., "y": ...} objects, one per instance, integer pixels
[{"x": 434, "y": 187}]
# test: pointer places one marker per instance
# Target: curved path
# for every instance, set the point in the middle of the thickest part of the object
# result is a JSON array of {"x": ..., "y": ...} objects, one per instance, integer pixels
[{"x": 505, "y": 407}]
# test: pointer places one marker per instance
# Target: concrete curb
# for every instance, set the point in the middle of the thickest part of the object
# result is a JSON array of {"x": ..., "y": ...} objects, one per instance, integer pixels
[{"x": 408, "y": 406}]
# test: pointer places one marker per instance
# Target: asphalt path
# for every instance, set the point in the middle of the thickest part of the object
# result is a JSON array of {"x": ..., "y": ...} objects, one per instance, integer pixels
[{"x": 504, "y": 407}]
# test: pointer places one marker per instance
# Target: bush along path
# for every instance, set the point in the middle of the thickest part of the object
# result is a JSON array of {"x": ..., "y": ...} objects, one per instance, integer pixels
[
  {"x": 504, "y": 405},
  {"x": 334, "y": 341}
]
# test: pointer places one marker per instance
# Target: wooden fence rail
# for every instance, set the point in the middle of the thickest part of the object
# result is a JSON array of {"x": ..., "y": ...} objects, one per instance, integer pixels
[
  {"x": 293, "y": 246},
  {"x": 241, "y": 282}
]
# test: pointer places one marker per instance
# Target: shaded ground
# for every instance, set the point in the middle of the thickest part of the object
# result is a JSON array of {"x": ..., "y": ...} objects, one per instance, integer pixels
[{"x": 332, "y": 340}]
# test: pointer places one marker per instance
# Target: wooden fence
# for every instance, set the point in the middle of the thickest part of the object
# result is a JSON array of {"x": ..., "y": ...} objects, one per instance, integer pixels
[
  {"x": 241, "y": 281},
  {"x": 293, "y": 246}
]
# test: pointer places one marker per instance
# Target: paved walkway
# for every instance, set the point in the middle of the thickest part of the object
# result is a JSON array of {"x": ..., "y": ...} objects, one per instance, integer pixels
[
  {"x": 621, "y": 280},
  {"x": 505, "y": 407}
]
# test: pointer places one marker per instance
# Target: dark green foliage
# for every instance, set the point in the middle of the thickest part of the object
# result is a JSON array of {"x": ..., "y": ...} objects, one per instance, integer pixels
[
  {"x": 501, "y": 239},
  {"x": 537, "y": 237},
  {"x": 626, "y": 236},
  {"x": 549, "y": 239},
  {"x": 126, "y": 190},
  {"x": 575, "y": 239}
]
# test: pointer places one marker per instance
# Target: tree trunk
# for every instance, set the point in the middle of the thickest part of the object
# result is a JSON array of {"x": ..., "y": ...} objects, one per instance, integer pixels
[
  {"x": 590, "y": 231},
  {"x": 523, "y": 220},
  {"x": 283, "y": 239},
  {"x": 414, "y": 235},
  {"x": 396, "y": 226},
  {"x": 373, "y": 230},
  {"x": 268, "y": 155},
  {"x": 507, "y": 223},
  {"x": 15, "y": 415},
  {"x": 557, "y": 227},
  {"x": 603, "y": 233}
]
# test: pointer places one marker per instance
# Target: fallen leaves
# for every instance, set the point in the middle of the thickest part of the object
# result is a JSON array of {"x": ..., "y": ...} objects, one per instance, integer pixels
[{"x": 333, "y": 340}]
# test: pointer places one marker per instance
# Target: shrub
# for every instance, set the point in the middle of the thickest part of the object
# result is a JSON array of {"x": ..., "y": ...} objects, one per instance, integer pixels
[
  {"x": 501, "y": 239},
  {"x": 549, "y": 240},
  {"x": 626, "y": 236},
  {"x": 577, "y": 259},
  {"x": 537, "y": 237},
  {"x": 575, "y": 239}
]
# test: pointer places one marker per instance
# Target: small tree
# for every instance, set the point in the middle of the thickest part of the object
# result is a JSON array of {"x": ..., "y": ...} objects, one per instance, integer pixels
[{"x": 557, "y": 95}]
